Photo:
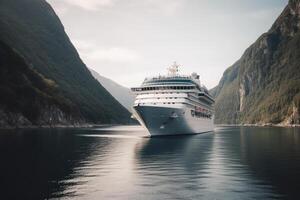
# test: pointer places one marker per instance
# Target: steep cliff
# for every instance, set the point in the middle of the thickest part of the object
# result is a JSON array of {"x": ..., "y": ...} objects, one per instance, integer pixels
[
  {"x": 28, "y": 98},
  {"x": 33, "y": 31},
  {"x": 263, "y": 86}
]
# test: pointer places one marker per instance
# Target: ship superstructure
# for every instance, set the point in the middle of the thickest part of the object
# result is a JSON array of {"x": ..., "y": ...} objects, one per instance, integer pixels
[{"x": 174, "y": 104}]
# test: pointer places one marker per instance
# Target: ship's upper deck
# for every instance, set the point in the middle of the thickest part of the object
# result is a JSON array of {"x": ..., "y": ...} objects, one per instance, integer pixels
[
  {"x": 173, "y": 81},
  {"x": 170, "y": 80}
]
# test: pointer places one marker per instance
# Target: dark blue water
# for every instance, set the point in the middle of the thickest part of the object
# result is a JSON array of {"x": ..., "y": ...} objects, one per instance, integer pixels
[{"x": 119, "y": 163}]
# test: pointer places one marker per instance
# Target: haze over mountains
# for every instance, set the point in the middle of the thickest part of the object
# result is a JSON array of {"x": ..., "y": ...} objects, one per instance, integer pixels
[
  {"x": 263, "y": 86},
  {"x": 121, "y": 93},
  {"x": 43, "y": 73}
]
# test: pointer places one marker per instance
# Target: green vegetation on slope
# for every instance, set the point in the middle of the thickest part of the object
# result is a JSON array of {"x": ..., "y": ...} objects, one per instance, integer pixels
[
  {"x": 264, "y": 85},
  {"x": 28, "y": 95},
  {"x": 32, "y": 28}
]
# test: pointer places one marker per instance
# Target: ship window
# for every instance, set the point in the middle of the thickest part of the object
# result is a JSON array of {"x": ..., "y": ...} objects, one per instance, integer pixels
[{"x": 193, "y": 113}]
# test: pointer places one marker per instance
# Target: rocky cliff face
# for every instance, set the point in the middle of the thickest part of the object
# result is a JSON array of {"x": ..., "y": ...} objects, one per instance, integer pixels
[
  {"x": 264, "y": 85},
  {"x": 33, "y": 31}
]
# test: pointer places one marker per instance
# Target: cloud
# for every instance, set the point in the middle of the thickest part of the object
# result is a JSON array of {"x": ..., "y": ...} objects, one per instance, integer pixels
[
  {"x": 89, "y": 5},
  {"x": 167, "y": 7},
  {"x": 83, "y": 46},
  {"x": 114, "y": 54},
  {"x": 264, "y": 14},
  {"x": 91, "y": 52}
]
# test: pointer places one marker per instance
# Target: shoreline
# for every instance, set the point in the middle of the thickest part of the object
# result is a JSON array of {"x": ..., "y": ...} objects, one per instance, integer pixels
[
  {"x": 60, "y": 126},
  {"x": 103, "y": 125},
  {"x": 260, "y": 125}
]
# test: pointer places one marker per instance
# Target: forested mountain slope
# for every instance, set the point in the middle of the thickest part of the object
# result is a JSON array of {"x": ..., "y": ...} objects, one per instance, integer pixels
[
  {"x": 32, "y": 30},
  {"x": 263, "y": 86}
]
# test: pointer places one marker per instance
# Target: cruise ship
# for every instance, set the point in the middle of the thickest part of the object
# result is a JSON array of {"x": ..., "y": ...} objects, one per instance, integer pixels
[{"x": 174, "y": 104}]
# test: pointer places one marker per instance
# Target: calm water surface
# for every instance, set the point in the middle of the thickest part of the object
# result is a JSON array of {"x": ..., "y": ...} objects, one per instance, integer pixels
[{"x": 120, "y": 163}]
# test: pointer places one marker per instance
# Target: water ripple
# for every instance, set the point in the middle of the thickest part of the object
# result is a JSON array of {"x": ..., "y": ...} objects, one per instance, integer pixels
[{"x": 123, "y": 163}]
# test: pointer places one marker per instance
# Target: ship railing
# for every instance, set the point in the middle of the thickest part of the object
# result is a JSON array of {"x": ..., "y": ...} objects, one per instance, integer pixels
[{"x": 167, "y": 78}]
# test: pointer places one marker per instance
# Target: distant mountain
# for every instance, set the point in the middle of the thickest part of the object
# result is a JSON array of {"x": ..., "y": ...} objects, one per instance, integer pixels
[
  {"x": 122, "y": 94},
  {"x": 32, "y": 35},
  {"x": 263, "y": 86}
]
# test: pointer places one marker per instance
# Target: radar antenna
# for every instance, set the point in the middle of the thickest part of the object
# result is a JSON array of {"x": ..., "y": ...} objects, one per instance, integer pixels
[{"x": 173, "y": 69}]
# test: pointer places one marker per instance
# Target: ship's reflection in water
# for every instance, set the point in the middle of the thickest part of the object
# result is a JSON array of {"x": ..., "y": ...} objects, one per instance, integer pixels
[{"x": 120, "y": 163}]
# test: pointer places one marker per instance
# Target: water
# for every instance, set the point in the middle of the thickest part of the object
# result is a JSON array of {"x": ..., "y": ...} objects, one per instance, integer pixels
[{"x": 121, "y": 163}]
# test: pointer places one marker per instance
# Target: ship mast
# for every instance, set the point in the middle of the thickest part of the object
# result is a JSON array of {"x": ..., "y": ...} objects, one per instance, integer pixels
[{"x": 173, "y": 69}]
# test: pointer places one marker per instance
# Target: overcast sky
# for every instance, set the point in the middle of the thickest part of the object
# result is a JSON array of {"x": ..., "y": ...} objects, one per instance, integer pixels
[{"x": 128, "y": 40}]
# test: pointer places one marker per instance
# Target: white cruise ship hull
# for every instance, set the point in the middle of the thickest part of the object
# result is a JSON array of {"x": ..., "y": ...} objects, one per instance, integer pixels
[{"x": 164, "y": 120}]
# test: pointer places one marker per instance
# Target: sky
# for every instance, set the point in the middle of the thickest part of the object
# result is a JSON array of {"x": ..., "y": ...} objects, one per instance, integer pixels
[{"x": 128, "y": 40}]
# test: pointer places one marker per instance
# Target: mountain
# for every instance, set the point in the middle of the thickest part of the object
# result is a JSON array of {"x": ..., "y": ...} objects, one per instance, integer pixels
[
  {"x": 27, "y": 96},
  {"x": 263, "y": 86},
  {"x": 50, "y": 68},
  {"x": 121, "y": 94}
]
